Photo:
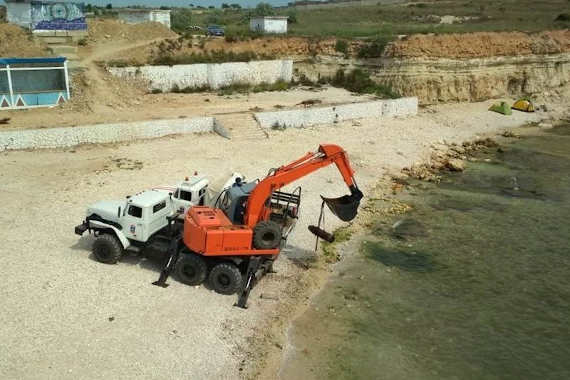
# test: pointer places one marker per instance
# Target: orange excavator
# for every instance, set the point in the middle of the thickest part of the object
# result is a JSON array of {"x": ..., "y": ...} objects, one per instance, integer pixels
[{"x": 235, "y": 242}]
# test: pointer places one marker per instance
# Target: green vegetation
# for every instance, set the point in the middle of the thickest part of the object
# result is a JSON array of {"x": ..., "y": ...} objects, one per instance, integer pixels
[
  {"x": 239, "y": 88},
  {"x": 375, "y": 48},
  {"x": 385, "y": 21},
  {"x": 213, "y": 56},
  {"x": 341, "y": 46},
  {"x": 341, "y": 235},
  {"x": 244, "y": 88},
  {"x": 359, "y": 81}
]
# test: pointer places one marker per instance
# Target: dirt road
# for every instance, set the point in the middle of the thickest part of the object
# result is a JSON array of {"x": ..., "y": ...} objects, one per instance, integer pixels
[{"x": 65, "y": 316}]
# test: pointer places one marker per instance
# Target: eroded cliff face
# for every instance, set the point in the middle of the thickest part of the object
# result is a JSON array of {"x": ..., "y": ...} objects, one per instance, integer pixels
[
  {"x": 453, "y": 80},
  {"x": 540, "y": 65}
]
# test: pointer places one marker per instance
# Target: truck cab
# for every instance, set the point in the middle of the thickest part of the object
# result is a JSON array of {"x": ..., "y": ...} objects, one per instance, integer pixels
[
  {"x": 193, "y": 191},
  {"x": 135, "y": 219},
  {"x": 146, "y": 218}
]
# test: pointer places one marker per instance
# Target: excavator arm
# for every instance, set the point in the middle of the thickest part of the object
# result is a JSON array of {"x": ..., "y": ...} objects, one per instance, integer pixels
[{"x": 345, "y": 207}]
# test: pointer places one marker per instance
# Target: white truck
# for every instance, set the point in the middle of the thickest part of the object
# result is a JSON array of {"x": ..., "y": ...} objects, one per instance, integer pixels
[{"x": 144, "y": 221}]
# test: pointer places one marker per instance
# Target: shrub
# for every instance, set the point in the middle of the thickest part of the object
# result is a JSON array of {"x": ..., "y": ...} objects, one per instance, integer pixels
[
  {"x": 341, "y": 46},
  {"x": 563, "y": 17},
  {"x": 359, "y": 81},
  {"x": 181, "y": 19},
  {"x": 374, "y": 49}
]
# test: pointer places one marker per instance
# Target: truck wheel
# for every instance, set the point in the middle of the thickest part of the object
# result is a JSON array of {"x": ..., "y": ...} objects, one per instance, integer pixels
[
  {"x": 107, "y": 249},
  {"x": 226, "y": 279},
  {"x": 266, "y": 235},
  {"x": 191, "y": 269}
]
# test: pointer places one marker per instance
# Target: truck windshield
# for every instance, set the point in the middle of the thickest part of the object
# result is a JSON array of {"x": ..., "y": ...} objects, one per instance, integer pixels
[
  {"x": 135, "y": 211},
  {"x": 185, "y": 195}
]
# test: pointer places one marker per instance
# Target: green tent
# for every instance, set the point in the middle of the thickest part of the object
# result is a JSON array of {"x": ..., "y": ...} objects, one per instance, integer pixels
[{"x": 503, "y": 108}]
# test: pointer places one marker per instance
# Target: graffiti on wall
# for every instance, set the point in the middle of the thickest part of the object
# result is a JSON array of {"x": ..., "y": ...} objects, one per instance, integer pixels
[{"x": 58, "y": 16}]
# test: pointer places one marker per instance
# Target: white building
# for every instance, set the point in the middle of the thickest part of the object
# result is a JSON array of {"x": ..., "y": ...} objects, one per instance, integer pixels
[
  {"x": 137, "y": 16},
  {"x": 268, "y": 24}
]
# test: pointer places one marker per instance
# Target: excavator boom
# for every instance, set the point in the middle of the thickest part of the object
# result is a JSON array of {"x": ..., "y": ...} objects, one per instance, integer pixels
[{"x": 345, "y": 207}]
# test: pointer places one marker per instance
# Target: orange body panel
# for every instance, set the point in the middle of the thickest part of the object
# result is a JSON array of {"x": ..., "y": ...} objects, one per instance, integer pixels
[{"x": 209, "y": 232}]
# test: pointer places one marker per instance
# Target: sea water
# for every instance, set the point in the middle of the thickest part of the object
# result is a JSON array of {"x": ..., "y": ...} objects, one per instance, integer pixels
[{"x": 473, "y": 283}]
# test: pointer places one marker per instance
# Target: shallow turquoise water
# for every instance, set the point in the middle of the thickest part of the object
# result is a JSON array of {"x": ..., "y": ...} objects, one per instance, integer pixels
[{"x": 474, "y": 283}]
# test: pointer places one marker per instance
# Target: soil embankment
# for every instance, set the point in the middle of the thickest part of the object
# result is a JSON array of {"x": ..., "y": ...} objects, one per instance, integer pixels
[
  {"x": 17, "y": 42},
  {"x": 480, "y": 45}
]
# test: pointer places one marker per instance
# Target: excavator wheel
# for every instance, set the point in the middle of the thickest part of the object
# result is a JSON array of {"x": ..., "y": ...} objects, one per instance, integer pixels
[
  {"x": 266, "y": 235},
  {"x": 107, "y": 249},
  {"x": 226, "y": 278},
  {"x": 190, "y": 268}
]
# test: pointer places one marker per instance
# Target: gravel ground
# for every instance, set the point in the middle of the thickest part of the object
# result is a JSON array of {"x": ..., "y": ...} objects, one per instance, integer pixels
[{"x": 65, "y": 316}]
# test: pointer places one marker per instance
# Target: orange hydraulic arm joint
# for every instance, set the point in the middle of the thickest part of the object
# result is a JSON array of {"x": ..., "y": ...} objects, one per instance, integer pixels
[{"x": 345, "y": 207}]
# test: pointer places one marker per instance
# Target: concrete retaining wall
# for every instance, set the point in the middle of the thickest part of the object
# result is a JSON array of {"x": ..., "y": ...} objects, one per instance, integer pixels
[
  {"x": 101, "y": 133},
  {"x": 325, "y": 115},
  {"x": 213, "y": 75}
]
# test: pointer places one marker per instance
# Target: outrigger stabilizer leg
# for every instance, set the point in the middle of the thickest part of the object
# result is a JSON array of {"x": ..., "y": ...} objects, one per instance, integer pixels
[
  {"x": 251, "y": 278},
  {"x": 173, "y": 253}
]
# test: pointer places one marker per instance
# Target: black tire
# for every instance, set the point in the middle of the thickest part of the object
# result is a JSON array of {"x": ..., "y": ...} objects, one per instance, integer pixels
[
  {"x": 266, "y": 235},
  {"x": 226, "y": 278},
  {"x": 107, "y": 249},
  {"x": 190, "y": 268}
]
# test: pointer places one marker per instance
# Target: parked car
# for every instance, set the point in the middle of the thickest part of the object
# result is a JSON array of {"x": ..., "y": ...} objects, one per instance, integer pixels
[{"x": 215, "y": 30}]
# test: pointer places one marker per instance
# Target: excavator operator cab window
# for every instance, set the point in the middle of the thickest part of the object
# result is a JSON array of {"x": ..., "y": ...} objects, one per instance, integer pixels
[
  {"x": 201, "y": 195},
  {"x": 239, "y": 212}
]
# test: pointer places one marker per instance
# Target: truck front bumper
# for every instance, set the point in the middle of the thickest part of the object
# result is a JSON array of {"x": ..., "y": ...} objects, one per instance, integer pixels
[{"x": 80, "y": 229}]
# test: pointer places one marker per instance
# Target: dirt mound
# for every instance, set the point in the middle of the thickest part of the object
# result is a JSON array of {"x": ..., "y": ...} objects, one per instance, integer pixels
[
  {"x": 480, "y": 45},
  {"x": 17, "y": 42},
  {"x": 103, "y": 30}
]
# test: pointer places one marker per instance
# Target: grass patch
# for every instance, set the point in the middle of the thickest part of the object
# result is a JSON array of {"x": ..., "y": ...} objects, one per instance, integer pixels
[
  {"x": 245, "y": 88},
  {"x": 390, "y": 20},
  {"x": 329, "y": 250},
  {"x": 239, "y": 88}
]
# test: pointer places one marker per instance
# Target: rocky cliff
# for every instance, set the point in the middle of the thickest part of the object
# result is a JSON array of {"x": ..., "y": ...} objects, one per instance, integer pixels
[{"x": 470, "y": 67}]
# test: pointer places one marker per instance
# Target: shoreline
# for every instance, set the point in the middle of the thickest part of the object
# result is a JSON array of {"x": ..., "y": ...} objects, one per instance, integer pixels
[{"x": 270, "y": 367}]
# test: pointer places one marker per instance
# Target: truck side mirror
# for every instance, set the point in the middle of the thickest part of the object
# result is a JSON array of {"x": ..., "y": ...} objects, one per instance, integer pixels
[{"x": 119, "y": 212}]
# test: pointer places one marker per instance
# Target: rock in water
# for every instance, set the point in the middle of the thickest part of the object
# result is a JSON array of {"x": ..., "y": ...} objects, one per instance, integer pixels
[{"x": 455, "y": 165}]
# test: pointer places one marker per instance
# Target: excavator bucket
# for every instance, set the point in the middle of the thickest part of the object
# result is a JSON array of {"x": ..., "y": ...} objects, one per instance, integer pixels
[{"x": 345, "y": 207}]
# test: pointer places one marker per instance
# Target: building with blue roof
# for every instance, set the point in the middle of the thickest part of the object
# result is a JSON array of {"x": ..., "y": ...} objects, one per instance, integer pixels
[{"x": 33, "y": 82}]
